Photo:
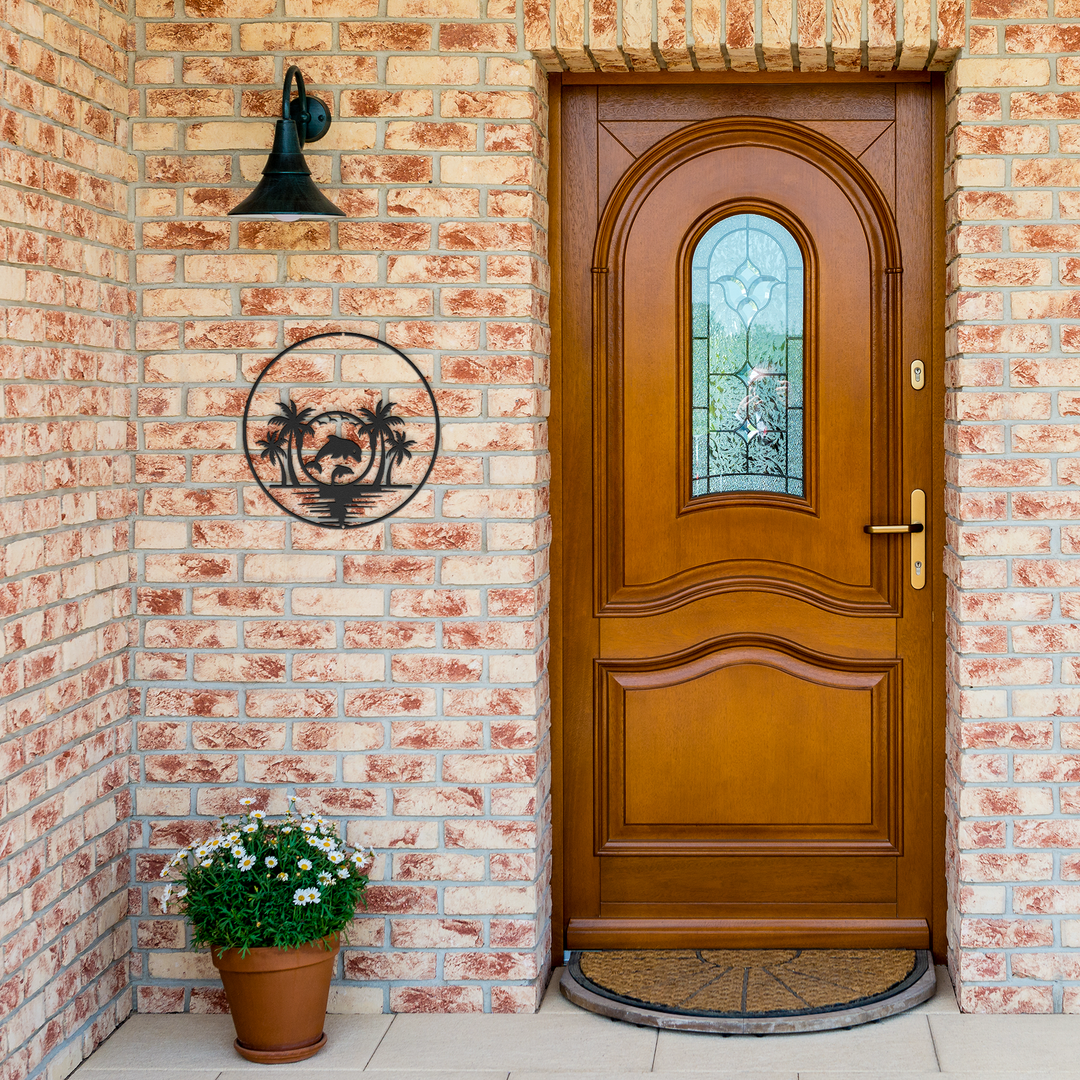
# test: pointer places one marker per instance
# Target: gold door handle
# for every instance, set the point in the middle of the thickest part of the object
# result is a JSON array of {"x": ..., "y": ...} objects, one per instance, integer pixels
[{"x": 917, "y": 529}]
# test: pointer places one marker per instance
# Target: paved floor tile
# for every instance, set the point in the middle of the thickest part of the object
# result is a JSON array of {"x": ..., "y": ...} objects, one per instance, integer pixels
[
  {"x": 831, "y": 1074},
  {"x": 148, "y": 1073},
  {"x": 395, "y": 1074},
  {"x": 900, "y": 1044},
  {"x": 153, "y": 1044},
  {"x": 553, "y": 1001},
  {"x": 558, "y": 1044},
  {"x": 282, "y": 1071},
  {"x": 875, "y": 1075},
  {"x": 944, "y": 999},
  {"x": 984, "y": 1044},
  {"x": 720, "y": 1075}
]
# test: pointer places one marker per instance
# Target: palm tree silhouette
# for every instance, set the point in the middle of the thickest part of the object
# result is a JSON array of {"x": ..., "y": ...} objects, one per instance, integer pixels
[
  {"x": 275, "y": 452},
  {"x": 397, "y": 451},
  {"x": 294, "y": 425},
  {"x": 378, "y": 425}
]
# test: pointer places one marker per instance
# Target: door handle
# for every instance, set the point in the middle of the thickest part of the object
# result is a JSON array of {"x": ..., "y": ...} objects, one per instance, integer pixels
[
  {"x": 917, "y": 530},
  {"x": 877, "y": 530}
]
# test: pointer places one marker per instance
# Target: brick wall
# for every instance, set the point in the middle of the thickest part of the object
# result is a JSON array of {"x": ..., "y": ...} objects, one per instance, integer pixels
[
  {"x": 1012, "y": 437},
  {"x": 67, "y": 373},
  {"x": 393, "y": 676}
]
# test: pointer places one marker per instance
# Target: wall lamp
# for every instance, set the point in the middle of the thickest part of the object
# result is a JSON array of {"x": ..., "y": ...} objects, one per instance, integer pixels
[{"x": 286, "y": 191}]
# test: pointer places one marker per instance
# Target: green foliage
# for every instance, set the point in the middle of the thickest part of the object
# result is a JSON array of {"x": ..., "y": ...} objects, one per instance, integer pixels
[{"x": 261, "y": 883}]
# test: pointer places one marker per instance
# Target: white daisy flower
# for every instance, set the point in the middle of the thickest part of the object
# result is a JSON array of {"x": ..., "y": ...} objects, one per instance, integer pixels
[
  {"x": 247, "y": 802},
  {"x": 343, "y": 872},
  {"x": 326, "y": 844},
  {"x": 309, "y": 827},
  {"x": 165, "y": 897},
  {"x": 207, "y": 862},
  {"x": 303, "y": 897},
  {"x": 238, "y": 851},
  {"x": 336, "y": 857},
  {"x": 258, "y": 815},
  {"x": 201, "y": 851},
  {"x": 287, "y": 829},
  {"x": 232, "y": 837},
  {"x": 325, "y": 879},
  {"x": 247, "y": 862},
  {"x": 283, "y": 876},
  {"x": 270, "y": 861},
  {"x": 251, "y": 826},
  {"x": 181, "y": 893},
  {"x": 304, "y": 864}
]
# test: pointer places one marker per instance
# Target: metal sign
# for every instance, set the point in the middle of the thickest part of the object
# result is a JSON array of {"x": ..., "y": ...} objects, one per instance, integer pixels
[{"x": 342, "y": 439}]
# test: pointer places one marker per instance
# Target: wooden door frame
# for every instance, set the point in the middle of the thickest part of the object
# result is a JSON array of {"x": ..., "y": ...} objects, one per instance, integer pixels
[{"x": 936, "y": 501}]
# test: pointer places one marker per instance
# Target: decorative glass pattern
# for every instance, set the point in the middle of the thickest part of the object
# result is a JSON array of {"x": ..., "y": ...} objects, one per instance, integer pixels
[{"x": 747, "y": 297}]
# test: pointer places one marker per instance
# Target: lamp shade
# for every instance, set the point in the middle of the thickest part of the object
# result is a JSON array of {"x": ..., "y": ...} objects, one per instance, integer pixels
[{"x": 286, "y": 191}]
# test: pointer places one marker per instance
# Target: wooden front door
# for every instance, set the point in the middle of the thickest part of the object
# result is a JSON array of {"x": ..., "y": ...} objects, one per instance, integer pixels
[{"x": 749, "y": 753}]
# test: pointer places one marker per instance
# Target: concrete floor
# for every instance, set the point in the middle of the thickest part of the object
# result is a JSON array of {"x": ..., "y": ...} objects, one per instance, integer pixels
[{"x": 931, "y": 1040}]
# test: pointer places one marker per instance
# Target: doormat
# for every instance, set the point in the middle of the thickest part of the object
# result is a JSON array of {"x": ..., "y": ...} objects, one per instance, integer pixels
[{"x": 749, "y": 991}]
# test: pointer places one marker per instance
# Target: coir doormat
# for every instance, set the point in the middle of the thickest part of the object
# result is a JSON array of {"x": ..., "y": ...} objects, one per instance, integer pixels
[{"x": 750, "y": 990}]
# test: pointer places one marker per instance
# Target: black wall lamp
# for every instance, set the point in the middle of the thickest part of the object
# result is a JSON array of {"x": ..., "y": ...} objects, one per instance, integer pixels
[{"x": 286, "y": 191}]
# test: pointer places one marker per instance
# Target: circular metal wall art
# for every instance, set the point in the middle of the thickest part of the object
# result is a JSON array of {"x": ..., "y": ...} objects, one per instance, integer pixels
[{"x": 342, "y": 438}]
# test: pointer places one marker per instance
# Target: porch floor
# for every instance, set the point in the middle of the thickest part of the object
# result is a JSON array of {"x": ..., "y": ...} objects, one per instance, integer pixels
[{"x": 930, "y": 1040}]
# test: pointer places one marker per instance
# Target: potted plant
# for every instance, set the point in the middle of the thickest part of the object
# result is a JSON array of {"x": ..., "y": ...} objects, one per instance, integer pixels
[{"x": 271, "y": 899}]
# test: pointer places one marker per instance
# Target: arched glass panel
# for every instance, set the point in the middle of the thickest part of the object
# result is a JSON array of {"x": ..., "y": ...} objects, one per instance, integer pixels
[{"x": 747, "y": 319}]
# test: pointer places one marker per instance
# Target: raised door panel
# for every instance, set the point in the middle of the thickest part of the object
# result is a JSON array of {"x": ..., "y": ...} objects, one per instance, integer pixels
[
  {"x": 810, "y": 543},
  {"x": 768, "y": 747}
]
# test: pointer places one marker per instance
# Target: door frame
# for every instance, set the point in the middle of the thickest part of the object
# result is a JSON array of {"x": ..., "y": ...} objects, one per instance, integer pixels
[{"x": 936, "y": 501}]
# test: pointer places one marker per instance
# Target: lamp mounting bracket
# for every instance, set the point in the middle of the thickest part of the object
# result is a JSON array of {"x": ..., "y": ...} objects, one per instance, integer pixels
[
  {"x": 317, "y": 123},
  {"x": 310, "y": 115}
]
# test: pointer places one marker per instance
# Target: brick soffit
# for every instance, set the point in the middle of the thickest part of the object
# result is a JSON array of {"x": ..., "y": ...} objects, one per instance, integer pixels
[{"x": 744, "y": 35}]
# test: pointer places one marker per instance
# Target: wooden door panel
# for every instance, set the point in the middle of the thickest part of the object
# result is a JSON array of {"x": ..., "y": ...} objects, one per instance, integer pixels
[
  {"x": 830, "y": 633},
  {"x": 747, "y": 743},
  {"x": 744, "y": 880},
  {"x": 854, "y": 101},
  {"x": 855, "y": 136},
  {"x": 879, "y": 159},
  {"x": 767, "y": 748},
  {"x": 685, "y": 549},
  {"x": 868, "y": 140}
]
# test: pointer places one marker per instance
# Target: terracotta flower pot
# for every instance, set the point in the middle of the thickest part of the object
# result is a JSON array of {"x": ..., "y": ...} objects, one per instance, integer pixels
[{"x": 278, "y": 999}]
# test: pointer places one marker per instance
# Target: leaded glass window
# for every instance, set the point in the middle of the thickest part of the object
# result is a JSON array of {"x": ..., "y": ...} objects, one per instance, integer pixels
[{"x": 747, "y": 297}]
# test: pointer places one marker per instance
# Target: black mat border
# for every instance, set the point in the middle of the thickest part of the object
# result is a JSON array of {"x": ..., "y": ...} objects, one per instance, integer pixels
[{"x": 922, "y": 962}]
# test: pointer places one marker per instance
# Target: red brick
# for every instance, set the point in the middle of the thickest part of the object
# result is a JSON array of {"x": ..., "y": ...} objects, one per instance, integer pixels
[
  {"x": 436, "y": 999},
  {"x": 386, "y": 966},
  {"x": 191, "y": 768}
]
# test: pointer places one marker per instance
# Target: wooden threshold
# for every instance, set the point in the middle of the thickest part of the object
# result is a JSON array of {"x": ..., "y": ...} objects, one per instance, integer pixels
[{"x": 747, "y": 934}]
